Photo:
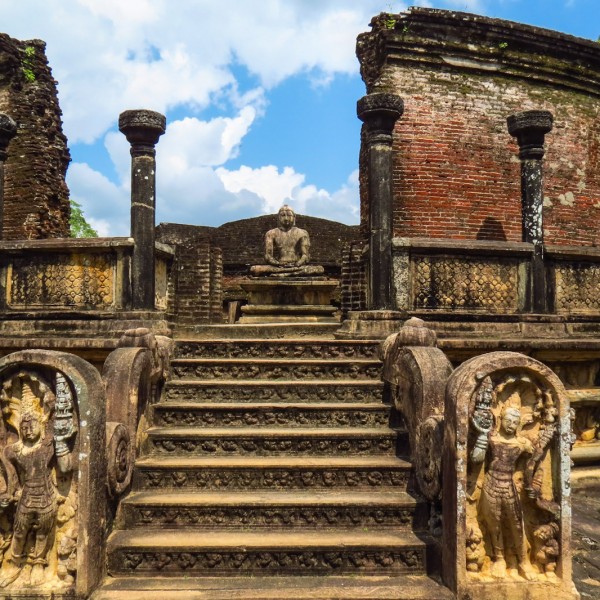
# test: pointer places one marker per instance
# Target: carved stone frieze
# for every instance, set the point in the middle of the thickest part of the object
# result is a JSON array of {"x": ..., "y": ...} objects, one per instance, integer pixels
[
  {"x": 239, "y": 479},
  {"x": 241, "y": 349},
  {"x": 277, "y": 393},
  {"x": 297, "y": 417},
  {"x": 260, "y": 445},
  {"x": 317, "y": 516},
  {"x": 69, "y": 280},
  {"x": 255, "y": 370},
  {"x": 399, "y": 561}
]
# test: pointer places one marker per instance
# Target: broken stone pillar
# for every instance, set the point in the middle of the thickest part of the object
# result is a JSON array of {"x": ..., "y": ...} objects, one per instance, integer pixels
[
  {"x": 8, "y": 130},
  {"x": 530, "y": 128},
  {"x": 379, "y": 112},
  {"x": 142, "y": 128}
]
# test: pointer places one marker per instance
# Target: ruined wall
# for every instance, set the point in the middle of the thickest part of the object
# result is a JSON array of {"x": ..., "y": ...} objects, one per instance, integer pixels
[
  {"x": 456, "y": 171},
  {"x": 36, "y": 201}
]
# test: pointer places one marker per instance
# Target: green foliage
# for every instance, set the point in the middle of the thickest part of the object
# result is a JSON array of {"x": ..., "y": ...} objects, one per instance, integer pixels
[
  {"x": 80, "y": 228},
  {"x": 503, "y": 45},
  {"x": 390, "y": 22},
  {"x": 28, "y": 64}
]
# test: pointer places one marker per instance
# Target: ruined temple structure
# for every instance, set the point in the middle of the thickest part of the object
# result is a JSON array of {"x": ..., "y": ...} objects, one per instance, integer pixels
[
  {"x": 36, "y": 204},
  {"x": 158, "y": 441}
]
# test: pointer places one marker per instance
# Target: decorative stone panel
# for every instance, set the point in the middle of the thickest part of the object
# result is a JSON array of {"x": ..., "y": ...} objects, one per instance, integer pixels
[
  {"x": 577, "y": 287},
  {"x": 454, "y": 282},
  {"x": 70, "y": 280}
]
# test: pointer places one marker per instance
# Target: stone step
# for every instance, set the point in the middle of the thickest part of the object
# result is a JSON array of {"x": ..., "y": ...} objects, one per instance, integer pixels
[
  {"x": 287, "y": 348},
  {"x": 231, "y": 390},
  {"x": 265, "y": 441},
  {"x": 282, "y": 552},
  {"x": 226, "y": 473},
  {"x": 305, "y": 587},
  {"x": 275, "y": 369},
  {"x": 254, "y": 414},
  {"x": 305, "y": 509}
]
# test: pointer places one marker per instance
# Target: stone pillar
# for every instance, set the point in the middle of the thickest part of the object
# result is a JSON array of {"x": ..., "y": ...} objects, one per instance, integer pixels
[
  {"x": 8, "y": 130},
  {"x": 142, "y": 128},
  {"x": 379, "y": 112},
  {"x": 530, "y": 128}
]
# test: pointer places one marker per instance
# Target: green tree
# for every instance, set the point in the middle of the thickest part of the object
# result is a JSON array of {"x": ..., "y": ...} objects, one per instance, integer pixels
[{"x": 80, "y": 228}]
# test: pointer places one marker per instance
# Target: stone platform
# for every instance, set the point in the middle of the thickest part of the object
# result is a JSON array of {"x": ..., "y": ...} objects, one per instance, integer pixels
[{"x": 289, "y": 301}]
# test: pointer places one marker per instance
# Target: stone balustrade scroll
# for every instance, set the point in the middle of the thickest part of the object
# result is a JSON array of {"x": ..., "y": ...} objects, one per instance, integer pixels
[{"x": 133, "y": 376}]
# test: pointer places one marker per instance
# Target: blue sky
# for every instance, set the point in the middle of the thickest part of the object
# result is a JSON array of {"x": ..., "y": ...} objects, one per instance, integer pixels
[{"x": 260, "y": 96}]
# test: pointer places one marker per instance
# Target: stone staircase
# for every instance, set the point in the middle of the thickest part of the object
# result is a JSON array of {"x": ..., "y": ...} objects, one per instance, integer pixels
[{"x": 270, "y": 470}]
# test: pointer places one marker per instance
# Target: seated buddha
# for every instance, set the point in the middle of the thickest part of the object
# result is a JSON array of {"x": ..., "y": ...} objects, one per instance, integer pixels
[{"x": 287, "y": 250}]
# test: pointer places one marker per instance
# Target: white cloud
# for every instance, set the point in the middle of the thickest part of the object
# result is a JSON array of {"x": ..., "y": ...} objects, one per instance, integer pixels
[
  {"x": 276, "y": 188},
  {"x": 273, "y": 187},
  {"x": 112, "y": 55}
]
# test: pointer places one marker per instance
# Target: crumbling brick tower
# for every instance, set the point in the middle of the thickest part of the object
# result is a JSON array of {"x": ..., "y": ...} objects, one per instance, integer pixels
[{"x": 36, "y": 197}]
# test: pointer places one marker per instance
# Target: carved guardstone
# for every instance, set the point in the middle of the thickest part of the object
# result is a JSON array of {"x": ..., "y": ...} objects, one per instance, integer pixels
[
  {"x": 53, "y": 476},
  {"x": 287, "y": 288},
  {"x": 506, "y": 492}
]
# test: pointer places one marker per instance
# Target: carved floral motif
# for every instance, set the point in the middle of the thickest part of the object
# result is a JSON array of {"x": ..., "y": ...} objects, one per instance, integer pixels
[
  {"x": 260, "y": 445},
  {"x": 274, "y": 350},
  {"x": 187, "y": 370},
  {"x": 300, "y": 417},
  {"x": 139, "y": 562},
  {"x": 289, "y": 516},
  {"x": 241, "y": 393},
  {"x": 208, "y": 479}
]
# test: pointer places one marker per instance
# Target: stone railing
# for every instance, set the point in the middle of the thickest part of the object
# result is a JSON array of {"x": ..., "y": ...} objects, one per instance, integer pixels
[
  {"x": 58, "y": 275},
  {"x": 493, "y": 277},
  {"x": 451, "y": 275}
]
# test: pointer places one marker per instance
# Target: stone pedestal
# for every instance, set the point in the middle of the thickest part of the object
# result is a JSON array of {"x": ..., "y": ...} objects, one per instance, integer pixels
[{"x": 289, "y": 301}]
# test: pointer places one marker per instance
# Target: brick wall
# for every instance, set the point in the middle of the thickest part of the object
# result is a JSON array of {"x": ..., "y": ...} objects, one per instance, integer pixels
[
  {"x": 456, "y": 173},
  {"x": 195, "y": 294},
  {"x": 353, "y": 282},
  {"x": 36, "y": 196}
]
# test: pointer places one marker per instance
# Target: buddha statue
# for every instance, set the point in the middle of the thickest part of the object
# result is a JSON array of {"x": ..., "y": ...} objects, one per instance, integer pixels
[{"x": 286, "y": 250}]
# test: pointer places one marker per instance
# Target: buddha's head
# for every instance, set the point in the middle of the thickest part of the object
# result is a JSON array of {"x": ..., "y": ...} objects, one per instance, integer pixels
[{"x": 286, "y": 217}]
